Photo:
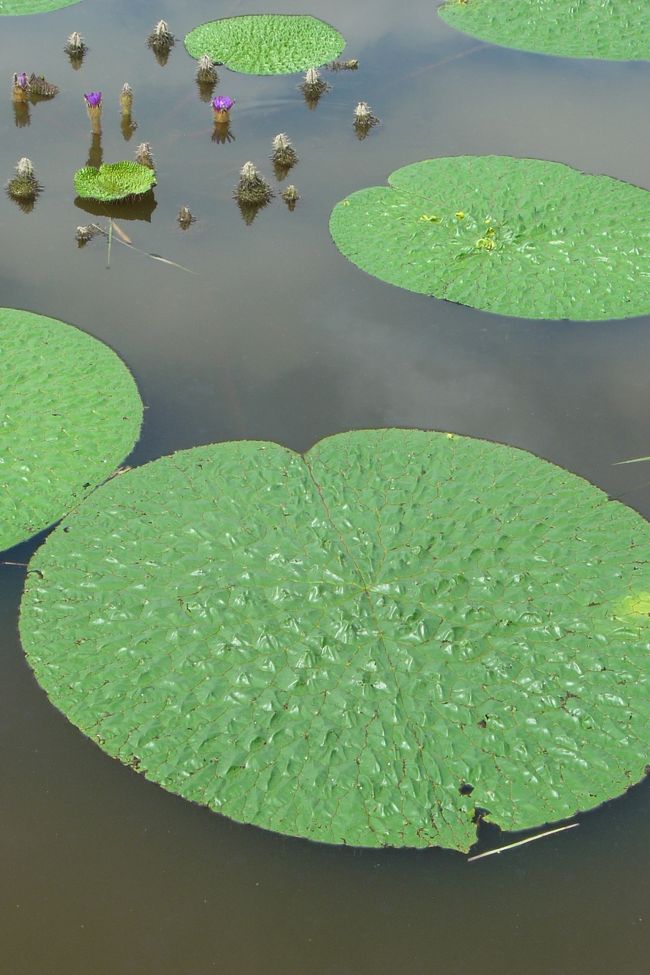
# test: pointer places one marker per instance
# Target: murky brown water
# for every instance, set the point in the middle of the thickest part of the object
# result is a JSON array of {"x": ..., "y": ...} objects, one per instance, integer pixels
[{"x": 278, "y": 337}]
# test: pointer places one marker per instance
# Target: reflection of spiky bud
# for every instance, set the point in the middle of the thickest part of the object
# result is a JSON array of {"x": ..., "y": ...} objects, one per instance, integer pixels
[
  {"x": 24, "y": 185},
  {"x": 290, "y": 196},
  {"x": 206, "y": 73},
  {"x": 126, "y": 98},
  {"x": 185, "y": 218},
  {"x": 144, "y": 156},
  {"x": 252, "y": 189},
  {"x": 160, "y": 39}
]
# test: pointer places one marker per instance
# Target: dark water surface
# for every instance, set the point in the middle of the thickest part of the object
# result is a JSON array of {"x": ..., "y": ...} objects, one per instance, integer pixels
[{"x": 278, "y": 337}]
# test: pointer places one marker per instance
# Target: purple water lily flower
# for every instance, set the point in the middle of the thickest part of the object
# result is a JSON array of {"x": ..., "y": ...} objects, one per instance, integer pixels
[
  {"x": 21, "y": 80},
  {"x": 222, "y": 103},
  {"x": 93, "y": 99}
]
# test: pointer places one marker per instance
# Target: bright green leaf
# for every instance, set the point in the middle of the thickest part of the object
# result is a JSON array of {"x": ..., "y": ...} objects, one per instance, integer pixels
[
  {"x": 536, "y": 239},
  {"x": 69, "y": 413},
  {"x": 17, "y": 7},
  {"x": 266, "y": 43},
  {"x": 114, "y": 181},
  {"x": 607, "y": 29},
  {"x": 363, "y": 645}
]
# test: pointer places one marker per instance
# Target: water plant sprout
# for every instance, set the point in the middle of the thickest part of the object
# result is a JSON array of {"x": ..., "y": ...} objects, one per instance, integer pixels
[
  {"x": 290, "y": 196},
  {"x": 161, "y": 41},
  {"x": 364, "y": 119},
  {"x": 252, "y": 189},
  {"x": 206, "y": 72},
  {"x": 144, "y": 155}
]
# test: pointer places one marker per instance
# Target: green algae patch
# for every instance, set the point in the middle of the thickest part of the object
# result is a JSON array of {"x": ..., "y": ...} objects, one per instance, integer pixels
[
  {"x": 521, "y": 237},
  {"x": 17, "y": 7},
  {"x": 617, "y": 30},
  {"x": 114, "y": 181},
  {"x": 70, "y": 412},
  {"x": 266, "y": 43},
  {"x": 363, "y": 645}
]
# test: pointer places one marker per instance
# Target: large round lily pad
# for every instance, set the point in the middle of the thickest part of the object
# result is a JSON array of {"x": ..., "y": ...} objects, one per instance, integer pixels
[
  {"x": 17, "y": 7},
  {"x": 266, "y": 43},
  {"x": 363, "y": 645},
  {"x": 69, "y": 413},
  {"x": 607, "y": 29},
  {"x": 114, "y": 181},
  {"x": 519, "y": 237}
]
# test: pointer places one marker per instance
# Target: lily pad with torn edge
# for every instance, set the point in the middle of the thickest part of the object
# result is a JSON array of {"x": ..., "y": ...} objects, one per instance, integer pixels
[
  {"x": 70, "y": 413},
  {"x": 266, "y": 43},
  {"x": 361, "y": 645},
  {"x": 521, "y": 237}
]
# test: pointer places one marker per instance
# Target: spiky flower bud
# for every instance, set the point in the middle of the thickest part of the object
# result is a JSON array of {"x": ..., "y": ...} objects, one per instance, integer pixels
[
  {"x": 284, "y": 155},
  {"x": 144, "y": 156},
  {"x": 126, "y": 98},
  {"x": 185, "y": 218},
  {"x": 160, "y": 39},
  {"x": 290, "y": 196},
  {"x": 206, "y": 73},
  {"x": 24, "y": 167},
  {"x": 75, "y": 46},
  {"x": 24, "y": 185},
  {"x": 252, "y": 189}
]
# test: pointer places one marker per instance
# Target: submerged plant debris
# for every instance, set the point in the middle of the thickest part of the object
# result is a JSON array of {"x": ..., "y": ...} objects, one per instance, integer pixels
[
  {"x": 266, "y": 43},
  {"x": 114, "y": 181},
  {"x": 512, "y": 236},
  {"x": 366, "y": 644},
  {"x": 607, "y": 29},
  {"x": 70, "y": 413}
]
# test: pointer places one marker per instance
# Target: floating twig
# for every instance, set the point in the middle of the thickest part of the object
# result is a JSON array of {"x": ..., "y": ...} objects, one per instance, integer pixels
[{"x": 529, "y": 839}]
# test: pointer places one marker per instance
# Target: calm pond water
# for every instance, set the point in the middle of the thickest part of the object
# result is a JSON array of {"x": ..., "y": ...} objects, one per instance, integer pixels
[{"x": 278, "y": 337}]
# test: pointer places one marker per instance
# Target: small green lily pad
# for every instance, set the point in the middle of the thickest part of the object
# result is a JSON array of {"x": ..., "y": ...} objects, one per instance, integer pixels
[
  {"x": 266, "y": 43},
  {"x": 70, "y": 412},
  {"x": 362, "y": 645},
  {"x": 114, "y": 181},
  {"x": 15, "y": 8},
  {"x": 607, "y": 29},
  {"x": 520, "y": 237}
]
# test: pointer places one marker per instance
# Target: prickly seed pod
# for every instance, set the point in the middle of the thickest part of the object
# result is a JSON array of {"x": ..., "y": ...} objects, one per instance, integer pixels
[
  {"x": 185, "y": 218},
  {"x": 126, "y": 98},
  {"x": 364, "y": 119},
  {"x": 350, "y": 65},
  {"x": 283, "y": 152},
  {"x": 86, "y": 233},
  {"x": 75, "y": 46},
  {"x": 290, "y": 196},
  {"x": 144, "y": 156},
  {"x": 252, "y": 189},
  {"x": 160, "y": 39},
  {"x": 313, "y": 87},
  {"x": 39, "y": 85},
  {"x": 24, "y": 167},
  {"x": 24, "y": 185},
  {"x": 206, "y": 73}
]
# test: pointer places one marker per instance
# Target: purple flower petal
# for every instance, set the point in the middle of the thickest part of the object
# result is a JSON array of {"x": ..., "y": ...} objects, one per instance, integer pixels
[
  {"x": 222, "y": 103},
  {"x": 93, "y": 99}
]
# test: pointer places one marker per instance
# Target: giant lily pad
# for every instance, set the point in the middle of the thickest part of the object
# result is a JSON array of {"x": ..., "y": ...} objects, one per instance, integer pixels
[
  {"x": 266, "y": 43},
  {"x": 17, "y": 7},
  {"x": 608, "y": 29},
  {"x": 114, "y": 181},
  {"x": 363, "y": 645},
  {"x": 70, "y": 412},
  {"x": 513, "y": 236}
]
